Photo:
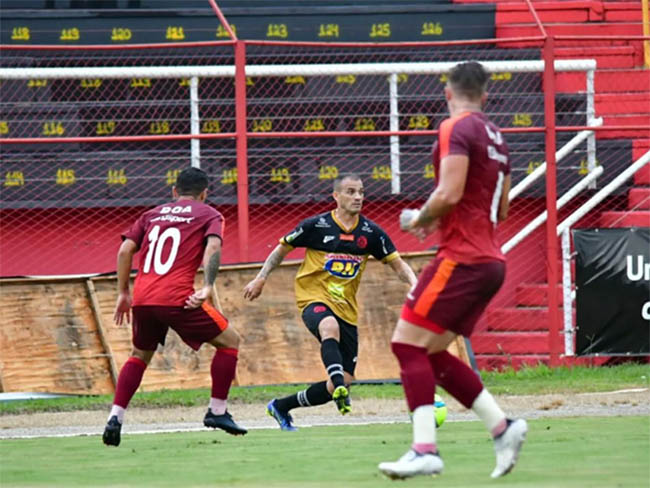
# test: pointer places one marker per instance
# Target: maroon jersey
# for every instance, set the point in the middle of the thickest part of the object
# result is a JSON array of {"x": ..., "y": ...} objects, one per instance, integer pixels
[
  {"x": 468, "y": 231},
  {"x": 171, "y": 239}
]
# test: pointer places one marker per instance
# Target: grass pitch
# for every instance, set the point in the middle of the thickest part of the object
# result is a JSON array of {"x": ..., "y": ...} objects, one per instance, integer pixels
[{"x": 575, "y": 452}]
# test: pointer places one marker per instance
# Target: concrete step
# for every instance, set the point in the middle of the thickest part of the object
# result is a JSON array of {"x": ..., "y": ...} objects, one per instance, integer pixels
[
  {"x": 640, "y": 218},
  {"x": 638, "y": 198}
]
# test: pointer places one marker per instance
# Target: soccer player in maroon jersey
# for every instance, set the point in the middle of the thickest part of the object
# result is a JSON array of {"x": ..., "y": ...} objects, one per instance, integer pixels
[
  {"x": 471, "y": 196},
  {"x": 174, "y": 240}
]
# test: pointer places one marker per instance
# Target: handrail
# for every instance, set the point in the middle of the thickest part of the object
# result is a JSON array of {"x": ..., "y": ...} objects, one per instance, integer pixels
[
  {"x": 561, "y": 202},
  {"x": 563, "y": 151},
  {"x": 604, "y": 192}
]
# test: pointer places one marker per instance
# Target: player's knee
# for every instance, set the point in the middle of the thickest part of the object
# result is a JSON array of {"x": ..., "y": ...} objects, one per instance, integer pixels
[
  {"x": 329, "y": 329},
  {"x": 142, "y": 355}
]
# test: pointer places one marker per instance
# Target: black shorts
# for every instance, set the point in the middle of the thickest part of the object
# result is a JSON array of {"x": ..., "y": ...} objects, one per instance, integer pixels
[{"x": 349, "y": 338}]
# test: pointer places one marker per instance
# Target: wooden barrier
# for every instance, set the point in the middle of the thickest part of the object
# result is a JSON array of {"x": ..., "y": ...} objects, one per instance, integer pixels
[{"x": 58, "y": 335}]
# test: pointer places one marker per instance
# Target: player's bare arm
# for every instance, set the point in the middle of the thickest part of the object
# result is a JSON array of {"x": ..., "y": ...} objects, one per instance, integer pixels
[
  {"x": 504, "y": 204},
  {"x": 125, "y": 254},
  {"x": 450, "y": 189},
  {"x": 254, "y": 289},
  {"x": 211, "y": 263},
  {"x": 403, "y": 271}
]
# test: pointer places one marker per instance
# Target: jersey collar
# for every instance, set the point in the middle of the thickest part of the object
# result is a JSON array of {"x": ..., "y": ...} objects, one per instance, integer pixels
[{"x": 343, "y": 227}]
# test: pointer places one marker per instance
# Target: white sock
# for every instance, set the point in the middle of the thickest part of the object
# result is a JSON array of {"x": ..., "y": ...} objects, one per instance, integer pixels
[
  {"x": 424, "y": 425},
  {"x": 485, "y": 406},
  {"x": 118, "y": 411},
  {"x": 218, "y": 406}
]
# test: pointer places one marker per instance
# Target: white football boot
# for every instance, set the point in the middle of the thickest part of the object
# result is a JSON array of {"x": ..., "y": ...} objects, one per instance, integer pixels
[
  {"x": 508, "y": 445},
  {"x": 412, "y": 464}
]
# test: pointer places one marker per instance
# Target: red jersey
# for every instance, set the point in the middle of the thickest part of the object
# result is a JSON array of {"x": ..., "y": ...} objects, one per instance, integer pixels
[
  {"x": 171, "y": 238},
  {"x": 468, "y": 231}
]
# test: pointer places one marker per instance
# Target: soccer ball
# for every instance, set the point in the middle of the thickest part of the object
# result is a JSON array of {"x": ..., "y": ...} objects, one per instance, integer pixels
[{"x": 440, "y": 410}]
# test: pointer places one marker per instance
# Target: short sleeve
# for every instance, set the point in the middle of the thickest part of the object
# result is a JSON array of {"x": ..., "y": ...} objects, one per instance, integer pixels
[
  {"x": 298, "y": 237},
  {"x": 383, "y": 248},
  {"x": 453, "y": 138},
  {"x": 216, "y": 226},
  {"x": 136, "y": 231}
]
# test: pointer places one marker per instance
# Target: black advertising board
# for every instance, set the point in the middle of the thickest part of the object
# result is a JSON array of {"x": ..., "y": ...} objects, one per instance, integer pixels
[{"x": 613, "y": 291}]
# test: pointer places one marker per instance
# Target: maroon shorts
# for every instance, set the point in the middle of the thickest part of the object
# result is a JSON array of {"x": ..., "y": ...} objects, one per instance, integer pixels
[
  {"x": 452, "y": 296},
  {"x": 196, "y": 326}
]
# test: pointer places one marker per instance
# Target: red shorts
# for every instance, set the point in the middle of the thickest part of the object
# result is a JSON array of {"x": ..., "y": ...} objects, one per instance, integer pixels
[
  {"x": 196, "y": 326},
  {"x": 452, "y": 296}
]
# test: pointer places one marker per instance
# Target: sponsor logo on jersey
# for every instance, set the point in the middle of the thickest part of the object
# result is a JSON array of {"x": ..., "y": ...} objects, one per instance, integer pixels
[
  {"x": 343, "y": 265},
  {"x": 366, "y": 227},
  {"x": 291, "y": 237},
  {"x": 346, "y": 237},
  {"x": 383, "y": 244},
  {"x": 172, "y": 218},
  {"x": 322, "y": 223},
  {"x": 320, "y": 309},
  {"x": 326, "y": 239},
  {"x": 362, "y": 242}
]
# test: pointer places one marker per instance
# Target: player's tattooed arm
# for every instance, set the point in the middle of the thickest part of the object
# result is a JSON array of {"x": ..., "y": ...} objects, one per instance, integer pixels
[
  {"x": 211, "y": 262},
  {"x": 253, "y": 289}
]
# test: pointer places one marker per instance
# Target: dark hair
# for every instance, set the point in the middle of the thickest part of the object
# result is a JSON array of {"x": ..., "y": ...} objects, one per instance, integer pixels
[
  {"x": 345, "y": 176},
  {"x": 468, "y": 79},
  {"x": 191, "y": 181}
]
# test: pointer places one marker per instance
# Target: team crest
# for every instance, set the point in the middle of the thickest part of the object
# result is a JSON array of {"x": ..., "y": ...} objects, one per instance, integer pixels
[{"x": 362, "y": 242}]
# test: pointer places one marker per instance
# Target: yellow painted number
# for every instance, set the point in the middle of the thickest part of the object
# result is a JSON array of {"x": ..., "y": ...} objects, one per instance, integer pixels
[
  {"x": 14, "y": 178},
  {"x": 116, "y": 177},
  {"x": 211, "y": 126},
  {"x": 328, "y": 173},
  {"x": 159, "y": 127},
  {"x": 583, "y": 169},
  {"x": 221, "y": 32},
  {"x": 280, "y": 175},
  {"x": 347, "y": 79},
  {"x": 105, "y": 128},
  {"x": 522, "y": 120},
  {"x": 532, "y": 165},
  {"x": 36, "y": 83},
  {"x": 172, "y": 176},
  {"x": 429, "y": 172},
  {"x": 277, "y": 30},
  {"x": 4, "y": 127},
  {"x": 328, "y": 30},
  {"x": 121, "y": 34},
  {"x": 141, "y": 83},
  {"x": 419, "y": 122},
  {"x": 507, "y": 76},
  {"x": 89, "y": 83},
  {"x": 175, "y": 33},
  {"x": 262, "y": 125},
  {"x": 432, "y": 29},
  {"x": 20, "y": 34},
  {"x": 295, "y": 80},
  {"x": 314, "y": 125},
  {"x": 65, "y": 176},
  {"x": 364, "y": 124},
  {"x": 71, "y": 34},
  {"x": 380, "y": 30},
  {"x": 381, "y": 172},
  {"x": 229, "y": 176},
  {"x": 53, "y": 129}
]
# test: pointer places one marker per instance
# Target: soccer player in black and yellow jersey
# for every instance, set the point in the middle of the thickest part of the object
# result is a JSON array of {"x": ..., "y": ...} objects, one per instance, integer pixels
[{"x": 337, "y": 244}]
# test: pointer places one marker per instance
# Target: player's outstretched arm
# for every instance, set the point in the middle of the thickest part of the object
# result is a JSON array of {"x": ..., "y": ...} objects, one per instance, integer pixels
[
  {"x": 403, "y": 271},
  {"x": 211, "y": 263},
  {"x": 125, "y": 254},
  {"x": 254, "y": 289}
]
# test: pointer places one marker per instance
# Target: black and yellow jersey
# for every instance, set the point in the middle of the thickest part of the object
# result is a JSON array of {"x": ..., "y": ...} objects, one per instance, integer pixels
[{"x": 335, "y": 260}]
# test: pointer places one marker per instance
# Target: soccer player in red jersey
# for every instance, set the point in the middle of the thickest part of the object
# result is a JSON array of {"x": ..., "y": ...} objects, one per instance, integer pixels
[
  {"x": 471, "y": 196},
  {"x": 174, "y": 240}
]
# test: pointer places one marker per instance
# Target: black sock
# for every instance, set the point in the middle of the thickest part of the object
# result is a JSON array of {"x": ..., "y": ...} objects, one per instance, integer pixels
[
  {"x": 331, "y": 355},
  {"x": 316, "y": 394}
]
